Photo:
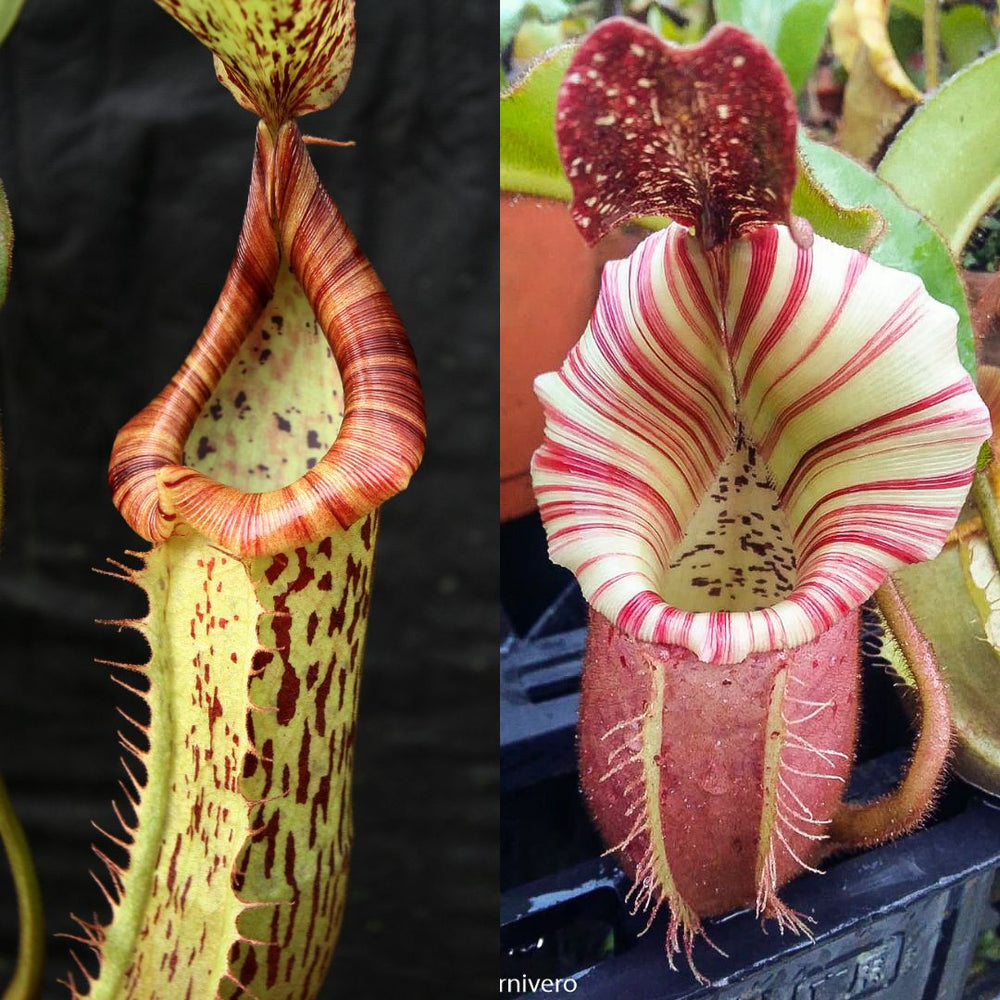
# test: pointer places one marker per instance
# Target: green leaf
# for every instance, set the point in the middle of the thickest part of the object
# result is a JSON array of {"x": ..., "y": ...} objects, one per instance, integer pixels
[
  {"x": 793, "y": 30},
  {"x": 534, "y": 39},
  {"x": 6, "y": 244},
  {"x": 514, "y": 12},
  {"x": 943, "y": 599},
  {"x": 909, "y": 243},
  {"x": 858, "y": 228},
  {"x": 952, "y": 191},
  {"x": 9, "y": 9},
  {"x": 666, "y": 27},
  {"x": 966, "y": 34},
  {"x": 906, "y": 35},
  {"x": 988, "y": 948},
  {"x": 915, "y": 8},
  {"x": 529, "y": 159}
]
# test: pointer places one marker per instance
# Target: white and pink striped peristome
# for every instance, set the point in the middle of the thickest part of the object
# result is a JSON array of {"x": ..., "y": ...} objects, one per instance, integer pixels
[{"x": 745, "y": 443}]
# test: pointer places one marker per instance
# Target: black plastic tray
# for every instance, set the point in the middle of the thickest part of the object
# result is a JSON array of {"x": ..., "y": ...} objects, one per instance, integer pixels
[{"x": 900, "y": 922}]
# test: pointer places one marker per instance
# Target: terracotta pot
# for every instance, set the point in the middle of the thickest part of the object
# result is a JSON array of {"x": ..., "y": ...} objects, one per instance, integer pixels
[{"x": 549, "y": 280}]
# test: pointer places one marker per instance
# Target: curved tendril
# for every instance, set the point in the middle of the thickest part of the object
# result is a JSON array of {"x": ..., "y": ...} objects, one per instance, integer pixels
[{"x": 27, "y": 980}]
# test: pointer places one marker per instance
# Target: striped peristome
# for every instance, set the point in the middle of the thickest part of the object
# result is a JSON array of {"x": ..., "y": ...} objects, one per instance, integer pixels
[
  {"x": 812, "y": 390},
  {"x": 380, "y": 442},
  {"x": 257, "y": 474}
]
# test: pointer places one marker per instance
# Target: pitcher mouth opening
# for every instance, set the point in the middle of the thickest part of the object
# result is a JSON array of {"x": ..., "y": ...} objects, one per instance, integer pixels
[
  {"x": 280, "y": 404},
  {"x": 737, "y": 551}
]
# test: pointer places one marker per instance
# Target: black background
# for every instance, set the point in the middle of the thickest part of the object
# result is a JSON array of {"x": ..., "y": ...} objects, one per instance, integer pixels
[{"x": 126, "y": 166}]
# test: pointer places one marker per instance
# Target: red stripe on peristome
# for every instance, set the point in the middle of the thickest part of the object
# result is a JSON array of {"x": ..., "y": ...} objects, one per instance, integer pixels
[
  {"x": 763, "y": 246},
  {"x": 889, "y": 333},
  {"x": 856, "y": 268},
  {"x": 881, "y": 428},
  {"x": 779, "y": 328},
  {"x": 922, "y": 528},
  {"x": 633, "y": 613},
  {"x": 598, "y": 473},
  {"x": 679, "y": 251},
  {"x": 584, "y": 514},
  {"x": 667, "y": 402},
  {"x": 699, "y": 380},
  {"x": 826, "y": 603},
  {"x": 586, "y": 440}
]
